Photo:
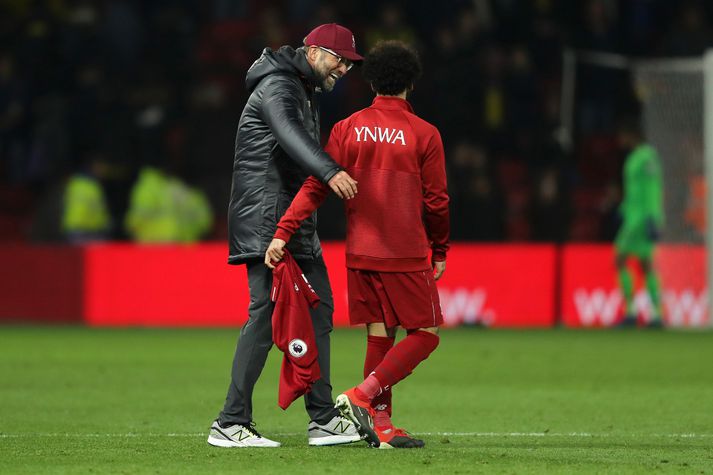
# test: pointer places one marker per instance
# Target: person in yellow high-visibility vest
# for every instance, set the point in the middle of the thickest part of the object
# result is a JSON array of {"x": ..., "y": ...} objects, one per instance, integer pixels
[
  {"x": 152, "y": 215},
  {"x": 199, "y": 212},
  {"x": 85, "y": 215},
  {"x": 163, "y": 209},
  {"x": 194, "y": 214}
]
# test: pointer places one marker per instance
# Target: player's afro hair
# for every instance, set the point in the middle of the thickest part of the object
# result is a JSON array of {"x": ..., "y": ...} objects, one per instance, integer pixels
[{"x": 391, "y": 67}]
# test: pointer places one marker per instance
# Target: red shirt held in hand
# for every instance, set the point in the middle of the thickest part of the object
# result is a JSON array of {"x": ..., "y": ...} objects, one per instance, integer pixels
[{"x": 292, "y": 330}]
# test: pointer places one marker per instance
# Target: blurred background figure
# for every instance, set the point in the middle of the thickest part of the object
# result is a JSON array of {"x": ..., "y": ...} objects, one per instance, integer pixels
[
  {"x": 163, "y": 209},
  {"x": 642, "y": 219},
  {"x": 195, "y": 216},
  {"x": 86, "y": 217}
]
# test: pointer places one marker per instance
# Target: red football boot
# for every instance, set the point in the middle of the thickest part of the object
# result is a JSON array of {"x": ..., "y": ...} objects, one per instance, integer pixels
[
  {"x": 355, "y": 407},
  {"x": 395, "y": 438}
]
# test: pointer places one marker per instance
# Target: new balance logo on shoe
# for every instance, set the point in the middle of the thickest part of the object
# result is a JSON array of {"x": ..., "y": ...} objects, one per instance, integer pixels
[
  {"x": 342, "y": 426},
  {"x": 335, "y": 432},
  {"x": 238, "y": 435}
]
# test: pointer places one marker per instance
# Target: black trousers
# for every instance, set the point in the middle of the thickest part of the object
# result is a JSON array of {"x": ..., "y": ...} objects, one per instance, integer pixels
[{"x": 256, "y": 340}]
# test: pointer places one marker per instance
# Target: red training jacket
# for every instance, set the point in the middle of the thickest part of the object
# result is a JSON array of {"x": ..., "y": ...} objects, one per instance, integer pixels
[
  {"x": 402, "y": 206},
  {"x": 292, "y": 329}
]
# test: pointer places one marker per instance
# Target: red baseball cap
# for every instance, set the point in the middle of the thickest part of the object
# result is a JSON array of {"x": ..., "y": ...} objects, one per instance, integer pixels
[{"x": 334, "y": 37}]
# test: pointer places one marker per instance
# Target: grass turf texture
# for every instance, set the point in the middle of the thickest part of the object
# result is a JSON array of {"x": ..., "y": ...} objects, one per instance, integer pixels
[{"x": 77, "y": 400}]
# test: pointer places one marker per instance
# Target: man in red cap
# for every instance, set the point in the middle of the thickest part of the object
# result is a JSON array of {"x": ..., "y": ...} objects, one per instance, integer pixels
[
  {"x": 276, "y": 149},
  {"x": 338, "y": 42}
]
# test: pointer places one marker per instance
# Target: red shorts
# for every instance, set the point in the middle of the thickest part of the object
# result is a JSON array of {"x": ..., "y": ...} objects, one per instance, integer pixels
[{"x": 409, "y": 299}]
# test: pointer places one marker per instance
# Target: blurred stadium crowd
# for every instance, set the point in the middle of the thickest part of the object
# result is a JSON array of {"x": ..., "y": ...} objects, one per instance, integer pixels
[{"x": 109, "y": 87}]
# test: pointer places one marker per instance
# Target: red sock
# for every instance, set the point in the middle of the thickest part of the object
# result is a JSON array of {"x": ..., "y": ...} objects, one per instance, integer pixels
[
  {"x": 400, "y": 361},
  {"x": 376, "y": 349},
  {"x": 369, "y": 388}
]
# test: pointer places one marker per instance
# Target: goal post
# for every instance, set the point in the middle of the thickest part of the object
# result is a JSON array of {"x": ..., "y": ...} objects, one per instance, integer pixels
[{"x": 708, "y": 167}]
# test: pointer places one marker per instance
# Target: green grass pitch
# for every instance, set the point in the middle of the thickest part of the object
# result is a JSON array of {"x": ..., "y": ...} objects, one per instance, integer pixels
[{"x": 78, "y": 400}]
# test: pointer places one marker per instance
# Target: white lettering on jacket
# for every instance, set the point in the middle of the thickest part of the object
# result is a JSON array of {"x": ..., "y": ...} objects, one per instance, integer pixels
[{"x": 377, "y": 134}]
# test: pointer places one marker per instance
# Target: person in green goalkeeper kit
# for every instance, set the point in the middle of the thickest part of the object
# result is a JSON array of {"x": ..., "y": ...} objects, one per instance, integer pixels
[{"x": 642, "y": 219}]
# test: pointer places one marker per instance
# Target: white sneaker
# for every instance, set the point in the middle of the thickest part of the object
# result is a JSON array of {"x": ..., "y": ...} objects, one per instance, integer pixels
[
  {"x": 238, "y": 435},
  {"x": 339, "y": 430}
]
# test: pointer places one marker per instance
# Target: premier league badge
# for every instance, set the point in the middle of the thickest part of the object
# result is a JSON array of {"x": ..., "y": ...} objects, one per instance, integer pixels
[{"x": 297, "y": 348}]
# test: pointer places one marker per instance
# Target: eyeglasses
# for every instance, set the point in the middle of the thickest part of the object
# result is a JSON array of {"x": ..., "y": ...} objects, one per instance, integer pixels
[{"x": 340, "y": 59}]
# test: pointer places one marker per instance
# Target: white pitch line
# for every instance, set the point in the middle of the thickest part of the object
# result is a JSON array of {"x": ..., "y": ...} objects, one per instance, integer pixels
[
  {"x": 561, "y": 434},
  {"x": 445, "y": 434}
]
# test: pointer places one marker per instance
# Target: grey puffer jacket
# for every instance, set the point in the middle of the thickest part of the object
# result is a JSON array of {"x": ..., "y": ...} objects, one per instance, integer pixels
[{"x": 276, "y": 149}]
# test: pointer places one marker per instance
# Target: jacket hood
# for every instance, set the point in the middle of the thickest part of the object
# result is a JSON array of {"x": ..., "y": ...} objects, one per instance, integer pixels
[{"x": 284, "y": 60}]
